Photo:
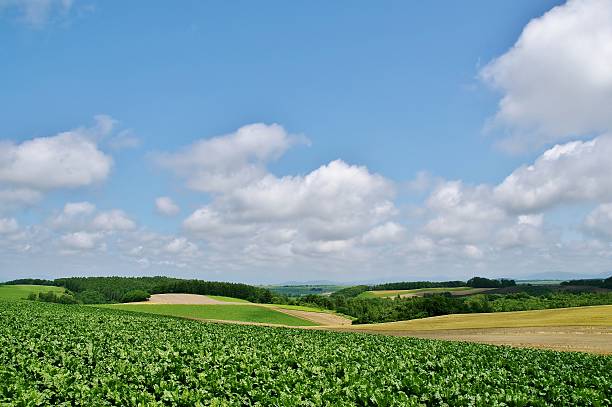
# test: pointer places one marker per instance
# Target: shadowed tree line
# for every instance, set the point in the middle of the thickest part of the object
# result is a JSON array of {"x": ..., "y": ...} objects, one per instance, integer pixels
[{"x": 99, "y": 290}]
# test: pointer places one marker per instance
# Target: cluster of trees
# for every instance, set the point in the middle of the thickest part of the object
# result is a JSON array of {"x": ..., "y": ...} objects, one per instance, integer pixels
[
  {"x": 61, "y": 298},
  {"x": 30, "y": 281},
  {"x": 413, "y": 285},
  {"x": 372, "y": 310},
  {"x": 100, "y": 290},
  {"x": 481, "y": 282},
  {"x": 476, "y": 282},
  {"x": 130, "y": 289},
  {"x": 601, "y": 283}
]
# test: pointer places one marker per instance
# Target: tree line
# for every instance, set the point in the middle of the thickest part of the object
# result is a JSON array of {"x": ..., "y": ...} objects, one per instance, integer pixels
[
  {"x": 373, "y": 310},
  {"x": 100, "y": 290},
  {"x": 476, "y": 282}
]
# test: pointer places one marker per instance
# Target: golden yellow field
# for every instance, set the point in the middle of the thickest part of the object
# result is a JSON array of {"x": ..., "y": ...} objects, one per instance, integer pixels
[
  {"x": 586, "y": 329},
  {"x": 580, "y": 316}
]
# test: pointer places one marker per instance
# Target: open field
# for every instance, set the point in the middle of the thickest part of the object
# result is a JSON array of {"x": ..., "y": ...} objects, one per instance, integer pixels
[
  {"x": 418, "y": 292},
  {"x": 228, "y": 299},
  {"x": 192, "y": 299},
  {"x": 579, "y": 329},
  {"x": 75, "y": 355},
  {"x": 307, "y": 315},
  {"x": 225, "y": 312},
  {"x": 304, "y": 289},
  {"x": 19, "y": 292}
]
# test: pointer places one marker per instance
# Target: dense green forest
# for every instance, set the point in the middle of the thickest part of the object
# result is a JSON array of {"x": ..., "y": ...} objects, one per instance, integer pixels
[
  {"x": 99, "y": 290},
  {"x": 476, "y": 282},
  {"x": 372, "y": 310},
  {"x": 507, "y": 297},
  {"x": 607, "y": 283}
]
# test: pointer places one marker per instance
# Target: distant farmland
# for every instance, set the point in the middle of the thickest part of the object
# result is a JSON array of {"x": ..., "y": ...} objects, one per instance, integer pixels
[{"x": 422, "y": 291}]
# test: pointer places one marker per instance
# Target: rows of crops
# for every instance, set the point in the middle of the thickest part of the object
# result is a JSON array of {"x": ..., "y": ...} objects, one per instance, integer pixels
[{"x": 53, "y": 354}]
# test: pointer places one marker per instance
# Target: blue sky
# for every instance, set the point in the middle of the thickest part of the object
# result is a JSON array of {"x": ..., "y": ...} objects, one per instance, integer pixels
[{"x": 428, "y": 106}]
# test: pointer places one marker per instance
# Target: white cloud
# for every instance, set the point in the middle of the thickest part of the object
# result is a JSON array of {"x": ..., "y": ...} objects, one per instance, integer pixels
[
  {"x": 221, "y": 163},
  {"x": 125, "y": 139},
  {"x": 79, "y": 208},
  {"x": 599, "y": 221},
  {"x": 73, "y": 214},
  {"x": 166, "y": 206},
  {"x": 334, "y": 202},
  {"x": 573, "y": 172},
  {"x": 181, "y": 245},
  {"x": 473, "y": 252},
  {"x": 207, "y": 222},
  {"x": 8, "y": 225},
  {"x": 462, "y": 212},
  {"x": 113, "y": 220},
  {"x": 67, "y": 160},
  {"x": 37, "y": 12},
  {"x": 12, "y": 198},
  {"x": 556, "y": 80},
  {"x": 389, "y": 232},
  {"x": 81, "y": 240}
]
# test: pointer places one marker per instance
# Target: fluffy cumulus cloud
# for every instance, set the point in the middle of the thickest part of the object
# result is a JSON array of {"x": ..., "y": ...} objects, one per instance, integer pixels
[
  {"x": 8, "y": 225},
  {"x": 166, "y": 206},
  {"x": 573, "y": 172},
  {"x": 181, "y": 245},
  {"x": 462, "y": 212},
  {"x": 556, "y": 81},
  {"x": 67, "y": 160},
  {"x": 599, "y": 221},
  {"x": 37, "y": 12},
  {"x": 323, "y": 211},
  {"x": 233, "y": 160},
  {"x": 81, "y": 240},
  {"x": 115, "y": 219}
]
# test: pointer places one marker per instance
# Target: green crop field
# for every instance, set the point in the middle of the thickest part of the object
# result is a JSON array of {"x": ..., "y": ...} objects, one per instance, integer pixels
[
  {"x": 228, "y": 299},
  {"x": 53, "y": 354},
  {"x": 18, "y": 292},
  {"x": 242, "y": 313}
]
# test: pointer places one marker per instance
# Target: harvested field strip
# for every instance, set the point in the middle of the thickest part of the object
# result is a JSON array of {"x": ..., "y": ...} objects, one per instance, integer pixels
[
  {"x": 319, "y": 318},
  {"x": 226, "y": 312},
  {"x": 592, "y": 339},
  {"x": 422, "y": 291},
  {"x": 228, "y": 299},
  {"x": 600, "y": 315}
]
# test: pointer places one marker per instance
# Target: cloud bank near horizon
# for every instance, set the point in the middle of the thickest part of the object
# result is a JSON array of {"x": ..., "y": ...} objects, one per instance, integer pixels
[{"x": 340, "y": 220}]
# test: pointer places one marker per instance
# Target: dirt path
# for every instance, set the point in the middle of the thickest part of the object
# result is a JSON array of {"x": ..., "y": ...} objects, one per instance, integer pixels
[{"x": 596, "y": 339}]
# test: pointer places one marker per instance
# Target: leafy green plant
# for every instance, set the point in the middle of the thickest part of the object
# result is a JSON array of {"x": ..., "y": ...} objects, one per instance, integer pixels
[{"x": 52, "y": 354}]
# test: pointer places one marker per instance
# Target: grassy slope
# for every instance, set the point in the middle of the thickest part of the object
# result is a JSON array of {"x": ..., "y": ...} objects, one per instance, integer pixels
[
  {"x": 600, "y": 315},
  {"x": 241, "y": 313},
  {"x": 18, "y": 292},
  {"x": 228, "y": 299},
  {"x": 393, "y": 293}
]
